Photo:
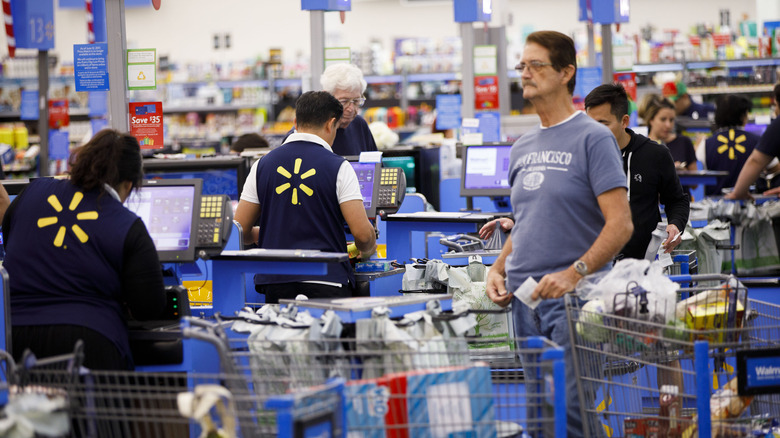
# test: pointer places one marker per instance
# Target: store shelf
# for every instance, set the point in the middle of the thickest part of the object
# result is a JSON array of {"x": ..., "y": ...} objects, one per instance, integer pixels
[
  {"x": 73, "y": 112},
  {"x": 209, "y": 108},
  {"x": 693, "y": 65},
  {"x": 731, "y": 89}
]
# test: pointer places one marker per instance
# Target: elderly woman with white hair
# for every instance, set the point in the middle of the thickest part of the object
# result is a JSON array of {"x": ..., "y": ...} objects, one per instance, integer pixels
[{"x": 345, "y": 82}]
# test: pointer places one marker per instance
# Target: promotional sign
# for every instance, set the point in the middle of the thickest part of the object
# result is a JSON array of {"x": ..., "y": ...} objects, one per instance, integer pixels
[
  {"x": 59, "y": 144},
  {"x": 97, "y": 124},
  {"x": 141, "y": 69},
  {"x": 90, "y": 66},
  {"x": 337, "y": 55},
  {"x": 486, "y": 92},
  {"x": 58, "y": 113},
  {"x": 29, "y": 107},
  {"x": 448, "y": 111},
  {"x": 489, "y": 125},
  {"x": 588, "y": 78},
  {"x": 628, "y": 81},
  {"x": 98, "y": 103},
  {"x": 33, "y": 22},
  {"x": 623, "y": 57},
  {"x": 146, "y": 124}
]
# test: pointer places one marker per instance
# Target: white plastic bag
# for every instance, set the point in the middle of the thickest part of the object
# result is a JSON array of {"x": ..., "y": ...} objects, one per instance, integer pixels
[{"x": 611, "y": 287}]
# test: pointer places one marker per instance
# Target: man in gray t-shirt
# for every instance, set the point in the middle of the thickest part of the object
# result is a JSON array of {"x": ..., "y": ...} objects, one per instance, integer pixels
[{"x": 568, "y": 198}]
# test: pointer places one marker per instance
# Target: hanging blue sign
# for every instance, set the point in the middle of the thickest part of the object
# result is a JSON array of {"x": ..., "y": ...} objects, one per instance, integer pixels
[
  {"x": 98, "y": 103},
  {"x": 59, "y": 144},
  {"x": 90, "y": 66},
  {"x": 98, "y": 124},
  {"x": 604, "y": 11},
  {"x": 326, "y": 5},
  {"x": 489, "y": 125},
  {"x": 33, "y": 22},
  {"x": 29, "y": 107},
  {"x": 448, "y": 111}
]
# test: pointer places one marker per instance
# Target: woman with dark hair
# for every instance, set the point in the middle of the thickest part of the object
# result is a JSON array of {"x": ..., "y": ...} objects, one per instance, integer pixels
[
  {"x": 78, "y": 260},
  {"x": 659, "y": 114},
  {"x": 730, "y": 146}
]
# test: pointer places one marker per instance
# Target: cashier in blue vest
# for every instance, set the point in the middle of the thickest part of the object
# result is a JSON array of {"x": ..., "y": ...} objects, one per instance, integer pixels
[
  {"x": 78, "y": 261},
  {"x": 302, "y": 194}
]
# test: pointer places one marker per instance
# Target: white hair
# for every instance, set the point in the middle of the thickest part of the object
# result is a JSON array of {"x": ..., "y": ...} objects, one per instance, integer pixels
[{"x": 344, "y": 77}]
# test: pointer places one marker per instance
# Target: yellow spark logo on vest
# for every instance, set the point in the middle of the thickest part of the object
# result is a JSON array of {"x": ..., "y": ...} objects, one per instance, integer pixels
[
  {"x": 52, "y": 220},
  {"x": 725, "y": 144},
  {"x": 303, "y": 187}
]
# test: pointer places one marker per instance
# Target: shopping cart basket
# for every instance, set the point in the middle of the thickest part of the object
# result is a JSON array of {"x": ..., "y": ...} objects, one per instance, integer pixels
[
  {"x": 633, "y": 370},
  {"x": 414, "y": 388}
]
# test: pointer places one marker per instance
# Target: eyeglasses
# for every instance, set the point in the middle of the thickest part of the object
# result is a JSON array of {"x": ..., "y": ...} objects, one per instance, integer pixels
[
  {"x": 536, "y": 66},
  {"x": 358, "y": 102}
]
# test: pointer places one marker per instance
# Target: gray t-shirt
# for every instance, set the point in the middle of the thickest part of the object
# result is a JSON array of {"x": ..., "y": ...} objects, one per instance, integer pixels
[{"x": 556, "y": 174}]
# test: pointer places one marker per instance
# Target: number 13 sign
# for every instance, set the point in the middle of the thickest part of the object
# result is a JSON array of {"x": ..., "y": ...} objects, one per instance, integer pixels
[{"x": 33, "y": 22}]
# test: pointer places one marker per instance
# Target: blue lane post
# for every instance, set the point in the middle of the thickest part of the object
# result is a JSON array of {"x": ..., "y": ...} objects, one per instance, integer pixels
[{"x": 701, "y": 363}]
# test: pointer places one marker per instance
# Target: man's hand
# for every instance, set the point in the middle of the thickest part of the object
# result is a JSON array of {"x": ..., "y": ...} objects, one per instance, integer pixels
[
  {"x": 774, "y": 191},
  {"x": 673, "y": 239},
  {"x": 496, "y": 290},
  {"x": 555, "y": 285},
  {"x": 733, "y": 195},
  {"x": 487, "y": 230}
]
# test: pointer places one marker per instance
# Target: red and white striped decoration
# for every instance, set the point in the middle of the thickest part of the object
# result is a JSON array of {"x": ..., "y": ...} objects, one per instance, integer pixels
[
  {"x": 90, "y": 23},
  {"x": 9, "y": 28}
]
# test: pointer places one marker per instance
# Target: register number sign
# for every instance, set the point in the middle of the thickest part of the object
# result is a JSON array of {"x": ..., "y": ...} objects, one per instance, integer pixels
[{"x": 146, "y": 124}]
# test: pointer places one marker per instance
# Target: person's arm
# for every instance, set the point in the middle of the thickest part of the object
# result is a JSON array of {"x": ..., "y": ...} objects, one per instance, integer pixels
[
  {"x": 676, "y": 203},
  {"x": 143, "y": 290},
  {"x": 487, "y": 230},
  {"x": 5, "y": 202},
  {"x": 494, "y": 284},
  {"x": 246, "y": 215},
  {"x": 615, "y": 234},
  {"x": 756, "y": 162},
  {"x": 365, "y": 236}
]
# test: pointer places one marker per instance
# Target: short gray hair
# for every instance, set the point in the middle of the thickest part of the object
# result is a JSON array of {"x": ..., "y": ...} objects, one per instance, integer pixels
[{"x": 345, "y": 77}]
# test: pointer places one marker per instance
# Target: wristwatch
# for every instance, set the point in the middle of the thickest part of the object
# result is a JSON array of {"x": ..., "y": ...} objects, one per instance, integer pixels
[{"x": 581, "y": 267}]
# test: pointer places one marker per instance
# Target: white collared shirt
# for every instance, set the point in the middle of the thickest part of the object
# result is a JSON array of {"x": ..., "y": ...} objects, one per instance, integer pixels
[{"x": 347, "y": 185}]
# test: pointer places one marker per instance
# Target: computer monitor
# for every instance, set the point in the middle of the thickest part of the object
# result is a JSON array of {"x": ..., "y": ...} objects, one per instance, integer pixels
[
  {"x": 409, "y": 167},
  {"x": 220, "y": 175},
  {"x": 15, "y": 186},
  {"x": 756, "y": 128},
  {"x": 485, "y": 170},
  {"x": 425, "y": 176},
  {"x": 170, "y": 209},
  {"x": 367, "y": 174}
]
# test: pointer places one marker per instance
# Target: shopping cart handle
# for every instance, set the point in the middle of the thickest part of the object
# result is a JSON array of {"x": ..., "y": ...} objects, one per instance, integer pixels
[{"x": 681, "y": 278}]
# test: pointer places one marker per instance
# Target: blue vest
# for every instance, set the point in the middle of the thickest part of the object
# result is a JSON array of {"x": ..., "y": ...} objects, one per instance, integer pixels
[
  {"x": 728, "y": 150},
  {"x": 299, "y": 208},
  {"x": 64, "y": 259}
]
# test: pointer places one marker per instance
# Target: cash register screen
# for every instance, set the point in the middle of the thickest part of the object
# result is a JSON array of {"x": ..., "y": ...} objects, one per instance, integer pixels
[
  {"x": 168, "y": 209},
  {"x": 366, "y": 173},
  {"x": 486, "y": 170}
]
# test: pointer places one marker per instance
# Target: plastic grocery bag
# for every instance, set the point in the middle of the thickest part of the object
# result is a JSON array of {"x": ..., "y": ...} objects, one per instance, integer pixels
[
  {"x": 611, "y": 287},
  {"x": 757, "y": 244}
]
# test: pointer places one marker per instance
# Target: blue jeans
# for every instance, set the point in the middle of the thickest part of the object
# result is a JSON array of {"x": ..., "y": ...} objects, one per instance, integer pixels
[{"x": 549, "y": 320}]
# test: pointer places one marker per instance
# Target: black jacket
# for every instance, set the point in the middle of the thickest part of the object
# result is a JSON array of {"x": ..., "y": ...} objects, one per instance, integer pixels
[{"x": 651, "y": 176}]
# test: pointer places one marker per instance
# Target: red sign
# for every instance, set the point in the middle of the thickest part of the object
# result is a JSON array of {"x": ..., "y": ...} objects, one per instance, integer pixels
[
  {"x": 628, "y": 81},
  {"x": 58, "y": 113},
  {"x": 486, "y": 92},
  {"x": 721, "y": 39},
  {"x": 146, "y": 124}
]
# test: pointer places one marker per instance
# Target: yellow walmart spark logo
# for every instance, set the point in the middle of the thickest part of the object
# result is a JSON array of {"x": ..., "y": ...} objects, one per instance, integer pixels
[
  {"x": 726, "y": 144},
  {"x": 52, "y": 220},
  {"x": 303, "y": 187}
]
